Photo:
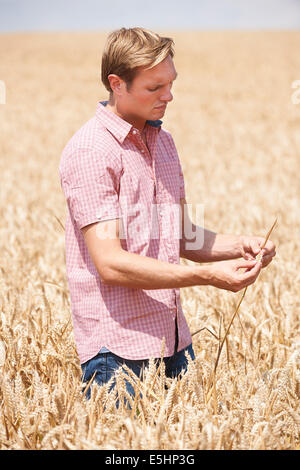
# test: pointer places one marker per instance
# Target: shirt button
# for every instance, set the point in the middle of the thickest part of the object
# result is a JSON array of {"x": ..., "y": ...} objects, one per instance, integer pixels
[
  {"x": 143, "y": 151},
  {"x": 134, "y": 132}
]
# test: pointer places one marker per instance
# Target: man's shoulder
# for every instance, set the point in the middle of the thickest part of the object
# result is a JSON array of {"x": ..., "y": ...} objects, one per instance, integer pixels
[
  {"x": 165, "y": 134},
  {"x": 91, "y": 137}
]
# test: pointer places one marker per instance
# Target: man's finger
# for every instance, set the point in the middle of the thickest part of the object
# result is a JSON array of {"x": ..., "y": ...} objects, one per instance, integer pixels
[
  {"x": 269, "y": 248},
  {"x": 243, "y": 263},
  {"x": 252, "y": 273},
  {"x": 267, "y": 260},
  {"x": 255, "y": 246}
]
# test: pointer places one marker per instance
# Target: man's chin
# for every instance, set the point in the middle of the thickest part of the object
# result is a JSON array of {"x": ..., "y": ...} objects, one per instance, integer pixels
[{"x": 159, "y": 112}]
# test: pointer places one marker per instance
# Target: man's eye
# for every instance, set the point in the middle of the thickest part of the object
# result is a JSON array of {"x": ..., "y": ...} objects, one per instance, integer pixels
[{"x": 153, "y": 89}]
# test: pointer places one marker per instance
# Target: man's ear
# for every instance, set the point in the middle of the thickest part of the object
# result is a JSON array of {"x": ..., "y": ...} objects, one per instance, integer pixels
[{"x": 116, "y": 83}]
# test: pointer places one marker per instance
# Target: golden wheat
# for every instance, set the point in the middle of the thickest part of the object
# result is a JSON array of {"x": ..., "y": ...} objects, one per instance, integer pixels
[{"x": 237, "y": 134}]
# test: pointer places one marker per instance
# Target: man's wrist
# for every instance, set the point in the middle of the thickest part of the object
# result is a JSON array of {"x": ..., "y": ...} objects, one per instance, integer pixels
[{"x": 203, "y": 274}]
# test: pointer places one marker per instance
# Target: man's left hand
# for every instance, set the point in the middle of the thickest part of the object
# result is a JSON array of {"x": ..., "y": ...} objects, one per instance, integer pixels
[{"x": 252, "y": 246}]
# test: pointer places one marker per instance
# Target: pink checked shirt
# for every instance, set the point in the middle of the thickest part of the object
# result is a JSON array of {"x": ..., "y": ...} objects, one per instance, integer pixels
[{"x": 107, "y": 172}]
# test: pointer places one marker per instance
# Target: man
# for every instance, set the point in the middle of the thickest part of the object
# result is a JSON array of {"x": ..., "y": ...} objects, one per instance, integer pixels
[{"x": 122, "y": 179}]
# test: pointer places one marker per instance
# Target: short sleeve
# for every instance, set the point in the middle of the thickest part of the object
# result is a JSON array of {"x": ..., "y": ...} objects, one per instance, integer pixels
[{"x": 90, "y": 183}]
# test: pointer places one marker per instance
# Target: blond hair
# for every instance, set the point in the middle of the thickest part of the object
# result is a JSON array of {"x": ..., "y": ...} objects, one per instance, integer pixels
[{"x": 128, "y": 49}]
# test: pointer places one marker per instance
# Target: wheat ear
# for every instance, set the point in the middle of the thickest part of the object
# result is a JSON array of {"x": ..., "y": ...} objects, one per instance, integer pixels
[{"x": 259, "y": 256}]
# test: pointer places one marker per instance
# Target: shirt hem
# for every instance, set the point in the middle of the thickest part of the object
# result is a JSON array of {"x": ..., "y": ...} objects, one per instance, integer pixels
[{"x": 135, "y": 358}]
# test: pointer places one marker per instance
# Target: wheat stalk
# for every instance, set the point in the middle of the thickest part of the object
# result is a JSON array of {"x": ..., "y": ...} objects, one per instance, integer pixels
[
  {"x": 252, "y": 405},
  {"x": 259, "y": 256}
]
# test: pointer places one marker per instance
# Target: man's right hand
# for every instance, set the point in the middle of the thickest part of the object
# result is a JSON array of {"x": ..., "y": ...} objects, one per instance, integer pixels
[{"x": 234, "y": 275}]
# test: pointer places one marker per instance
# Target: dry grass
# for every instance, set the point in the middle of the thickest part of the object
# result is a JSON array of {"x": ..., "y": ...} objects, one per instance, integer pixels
[{"x": 237, "y": 134}]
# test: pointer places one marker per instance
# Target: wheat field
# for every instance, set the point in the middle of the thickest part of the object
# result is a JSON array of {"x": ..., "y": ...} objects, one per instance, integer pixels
[{"x": 237, "y": 134}]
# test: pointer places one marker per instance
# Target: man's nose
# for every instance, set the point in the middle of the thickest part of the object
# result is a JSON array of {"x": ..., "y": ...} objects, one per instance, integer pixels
[{"x": 167, "y": 96}]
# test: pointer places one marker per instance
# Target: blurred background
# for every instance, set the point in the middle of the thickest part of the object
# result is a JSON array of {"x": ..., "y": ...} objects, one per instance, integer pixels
[
  {"x": 235, "y": 120},
  {"x": 55, "y": 15}
]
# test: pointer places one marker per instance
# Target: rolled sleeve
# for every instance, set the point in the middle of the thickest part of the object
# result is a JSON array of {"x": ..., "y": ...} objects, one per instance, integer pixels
[{"x": 90, "y": 183}]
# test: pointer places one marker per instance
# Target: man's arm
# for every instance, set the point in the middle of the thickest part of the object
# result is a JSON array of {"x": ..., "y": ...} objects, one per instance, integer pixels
[
  {"x": 206, "y": 246},
  {"x": 117, "y": 266},
  {"x": 210, "y": 246}
]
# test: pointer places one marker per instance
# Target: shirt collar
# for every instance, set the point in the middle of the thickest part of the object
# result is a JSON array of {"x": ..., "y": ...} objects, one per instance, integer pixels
[{"x": 116, "y": 125}]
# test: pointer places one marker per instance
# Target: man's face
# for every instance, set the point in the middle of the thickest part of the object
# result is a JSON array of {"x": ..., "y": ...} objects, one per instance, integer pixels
[{"x": 150, "y": 92}]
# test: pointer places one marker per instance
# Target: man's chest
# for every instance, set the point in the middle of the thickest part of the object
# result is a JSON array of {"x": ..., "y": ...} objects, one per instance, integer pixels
[{"x": 150, "y": 174}]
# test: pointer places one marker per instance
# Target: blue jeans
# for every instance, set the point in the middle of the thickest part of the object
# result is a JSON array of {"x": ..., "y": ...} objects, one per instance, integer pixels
[{"x": 104, "y": 366}]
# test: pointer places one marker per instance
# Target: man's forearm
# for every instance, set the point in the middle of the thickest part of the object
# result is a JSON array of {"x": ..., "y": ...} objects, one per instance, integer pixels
[
  {"x": 208, "y": 246},
  {"x": 142, "y": 272}
]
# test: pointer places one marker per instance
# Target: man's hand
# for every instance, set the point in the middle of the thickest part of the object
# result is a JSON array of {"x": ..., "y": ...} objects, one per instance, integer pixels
[
  {"x": 252, "y": 246},
  {"x": 234, "y": 275}
]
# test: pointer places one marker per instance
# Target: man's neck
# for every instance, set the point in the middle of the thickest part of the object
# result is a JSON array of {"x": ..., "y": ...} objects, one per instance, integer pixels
[{"x": 137, "y": 124}]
